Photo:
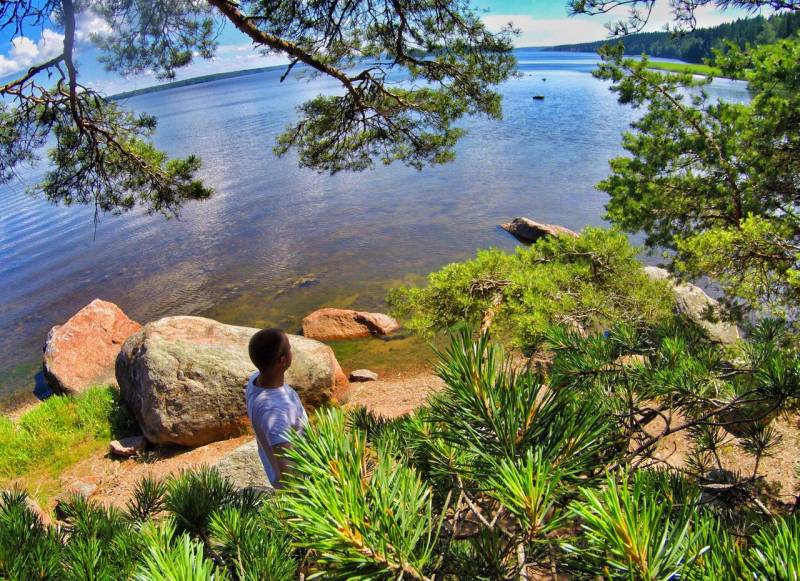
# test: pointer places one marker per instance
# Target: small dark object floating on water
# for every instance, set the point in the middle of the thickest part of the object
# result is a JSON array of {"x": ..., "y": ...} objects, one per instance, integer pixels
[
  {"x": 539, "y": 97},
  {"x": 544, "y": 78}
]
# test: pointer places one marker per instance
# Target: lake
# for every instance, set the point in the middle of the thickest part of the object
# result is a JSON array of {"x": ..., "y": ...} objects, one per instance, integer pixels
[{"x": 277, "y": 241}]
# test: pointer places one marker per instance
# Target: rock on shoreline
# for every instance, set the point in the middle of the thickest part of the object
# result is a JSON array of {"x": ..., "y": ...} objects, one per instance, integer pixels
[
  {"x": 81, "y": 353},
  {"x": 703, "y": 310},
  {"x": 184, "y": 377}
]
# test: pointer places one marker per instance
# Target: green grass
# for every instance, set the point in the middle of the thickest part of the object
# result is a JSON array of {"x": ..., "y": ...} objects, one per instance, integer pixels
[
  {"x": 57, "y": 433},
  {"x": 692, "y": 68}
]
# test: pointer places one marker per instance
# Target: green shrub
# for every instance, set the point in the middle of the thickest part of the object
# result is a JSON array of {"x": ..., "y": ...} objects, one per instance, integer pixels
[
  {"x": 229, "y": 534},
  {"x": 503, "y": 474},
  {"x": 591, "y": 282},
  {"x": 28, "y": 549},
  {"x": 775, "y": 553},
  {"x": 499, "y": 477},
  {"x": 636, "y": 527}
]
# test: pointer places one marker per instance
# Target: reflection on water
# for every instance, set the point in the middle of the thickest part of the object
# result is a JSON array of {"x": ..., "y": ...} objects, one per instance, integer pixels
[{"x": 271, "y": 222}]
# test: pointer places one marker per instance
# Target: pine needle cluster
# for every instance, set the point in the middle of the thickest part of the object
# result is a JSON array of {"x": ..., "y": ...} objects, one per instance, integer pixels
[{"x": 509, "y": 472}]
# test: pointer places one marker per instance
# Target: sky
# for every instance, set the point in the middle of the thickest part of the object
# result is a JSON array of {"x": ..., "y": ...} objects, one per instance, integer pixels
[{"x": 541, "y": 23}]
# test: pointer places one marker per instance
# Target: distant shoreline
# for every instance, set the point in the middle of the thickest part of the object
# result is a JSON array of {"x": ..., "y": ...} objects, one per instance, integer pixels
[
  {"x": 696, "y": 69},
  {"x": 192, "y": 81}
]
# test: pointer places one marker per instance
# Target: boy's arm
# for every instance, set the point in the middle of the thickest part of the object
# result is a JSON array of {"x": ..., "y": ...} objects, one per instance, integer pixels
[{"x": 284, "y": 465}]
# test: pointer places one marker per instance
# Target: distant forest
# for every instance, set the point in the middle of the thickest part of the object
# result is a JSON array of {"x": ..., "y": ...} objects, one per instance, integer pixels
[{"x": 697, "y": 45}]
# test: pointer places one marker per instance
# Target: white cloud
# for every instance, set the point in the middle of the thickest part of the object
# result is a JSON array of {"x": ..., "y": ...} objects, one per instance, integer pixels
[
  {"x": 50, "y": 44},
  {"x": 89, "y": 23},
  {"x": 25, "y": 52},
  {"x": 7, "y": 66},
  {"x": 554, "y": 31},
  {"x": 23, "y": 49},
  {"x": 547, "y": 32},
  {"x": 663, "y": 14}
]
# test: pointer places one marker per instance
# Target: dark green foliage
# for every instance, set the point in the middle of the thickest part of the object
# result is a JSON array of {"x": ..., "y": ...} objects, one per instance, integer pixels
[
  {"x": 102, "y": 542},
  {"x": 684, "y": 18},
  {"x": 106, "y": 160},
  {"x": 158, "y": 36},
  {"x": 365, "y": 516},
  {"x": 28, "y": 549},
  {"x": 229, "y": 534},
  {"x": 505, "y": 472},
  {"x": 512, "y": 467},
  {"x": 254, "y": 544},
  {"x": 590, "y": 282},
  {"x": 494, "y": 413},
  {"x": 717, "y": 182},
  {"x": 170, "y": 556},
  {"x": 645, "y": 526},
  {"x": 698, "y": 44},
  {"x": 775, "y": 553},
  {"x": 109, "y": 162},
  {"x": 193, "y": 496},
  {"x": 147, "y": 499}
]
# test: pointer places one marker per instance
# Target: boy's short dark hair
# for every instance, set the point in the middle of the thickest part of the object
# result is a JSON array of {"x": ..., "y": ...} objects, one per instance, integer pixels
[{"x": 267, "y": 346}]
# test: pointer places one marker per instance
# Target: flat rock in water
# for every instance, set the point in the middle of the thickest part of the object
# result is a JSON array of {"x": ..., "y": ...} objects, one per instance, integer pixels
[
  {"x": 529, "y": 230},
  {"x": 81, "y": 353},
  {"x": 330, "y": 324},
  {"x": 127, "y": 447},
  {"x": 705, "y": 311},
  {"x": 360, "y": 375},
  {"x": 184, "y": 377},
  {"x": 242, "y": 466}
]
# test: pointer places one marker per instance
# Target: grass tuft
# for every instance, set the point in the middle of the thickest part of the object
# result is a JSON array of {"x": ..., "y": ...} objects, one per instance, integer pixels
[
  {"x": 59, "y": 432},
  {"x": 693, "y": 68}
]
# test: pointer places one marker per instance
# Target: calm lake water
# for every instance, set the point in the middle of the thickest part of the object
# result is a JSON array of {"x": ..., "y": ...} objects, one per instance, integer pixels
[{"x": 240, "y": 256}]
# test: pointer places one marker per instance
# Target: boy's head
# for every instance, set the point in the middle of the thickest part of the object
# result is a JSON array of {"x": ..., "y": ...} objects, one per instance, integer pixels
[{"x": 270, "y": 350}]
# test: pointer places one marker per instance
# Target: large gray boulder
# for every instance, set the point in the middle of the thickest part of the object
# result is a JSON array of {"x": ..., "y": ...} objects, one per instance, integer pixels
[
  {"x": 243, "y": 467},
  {"x": 705, "y": 311},
  {"x": 184, "y": 378}
]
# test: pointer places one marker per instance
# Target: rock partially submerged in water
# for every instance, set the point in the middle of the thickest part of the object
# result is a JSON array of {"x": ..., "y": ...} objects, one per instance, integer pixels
[
  {"x": 184, "y": 378},
  {"x": 529, "y": 230},
  {"x": 330, "y": 324},
  {"x": 705, "y": 311},
  {"x": 302, "y": 282},
  {"x": 81, "y": 353}
]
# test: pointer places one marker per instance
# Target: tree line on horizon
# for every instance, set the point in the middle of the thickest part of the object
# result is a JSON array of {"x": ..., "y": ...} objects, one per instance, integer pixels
[{"x": 699, "y": 44}]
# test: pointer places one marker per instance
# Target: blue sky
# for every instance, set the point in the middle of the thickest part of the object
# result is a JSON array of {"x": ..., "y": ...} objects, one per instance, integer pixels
[{"x": 541, "y": 22}]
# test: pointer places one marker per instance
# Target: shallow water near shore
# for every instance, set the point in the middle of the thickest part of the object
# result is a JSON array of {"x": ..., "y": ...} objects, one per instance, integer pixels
[{"x": 277, "y": 241}]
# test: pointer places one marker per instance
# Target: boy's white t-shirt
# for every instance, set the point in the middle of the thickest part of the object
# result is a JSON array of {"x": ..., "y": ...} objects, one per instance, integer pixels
[{"x": 274, "y": 412}]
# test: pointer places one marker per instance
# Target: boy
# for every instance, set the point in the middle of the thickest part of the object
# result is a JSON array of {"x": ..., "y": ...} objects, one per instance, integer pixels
[{"x": 273, "y": 407}]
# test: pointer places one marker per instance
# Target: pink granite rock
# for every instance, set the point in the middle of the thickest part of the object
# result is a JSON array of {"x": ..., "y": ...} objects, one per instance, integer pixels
[
  {"x": 330, "y": 324},
  {"x": 82, "y": 352}
]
